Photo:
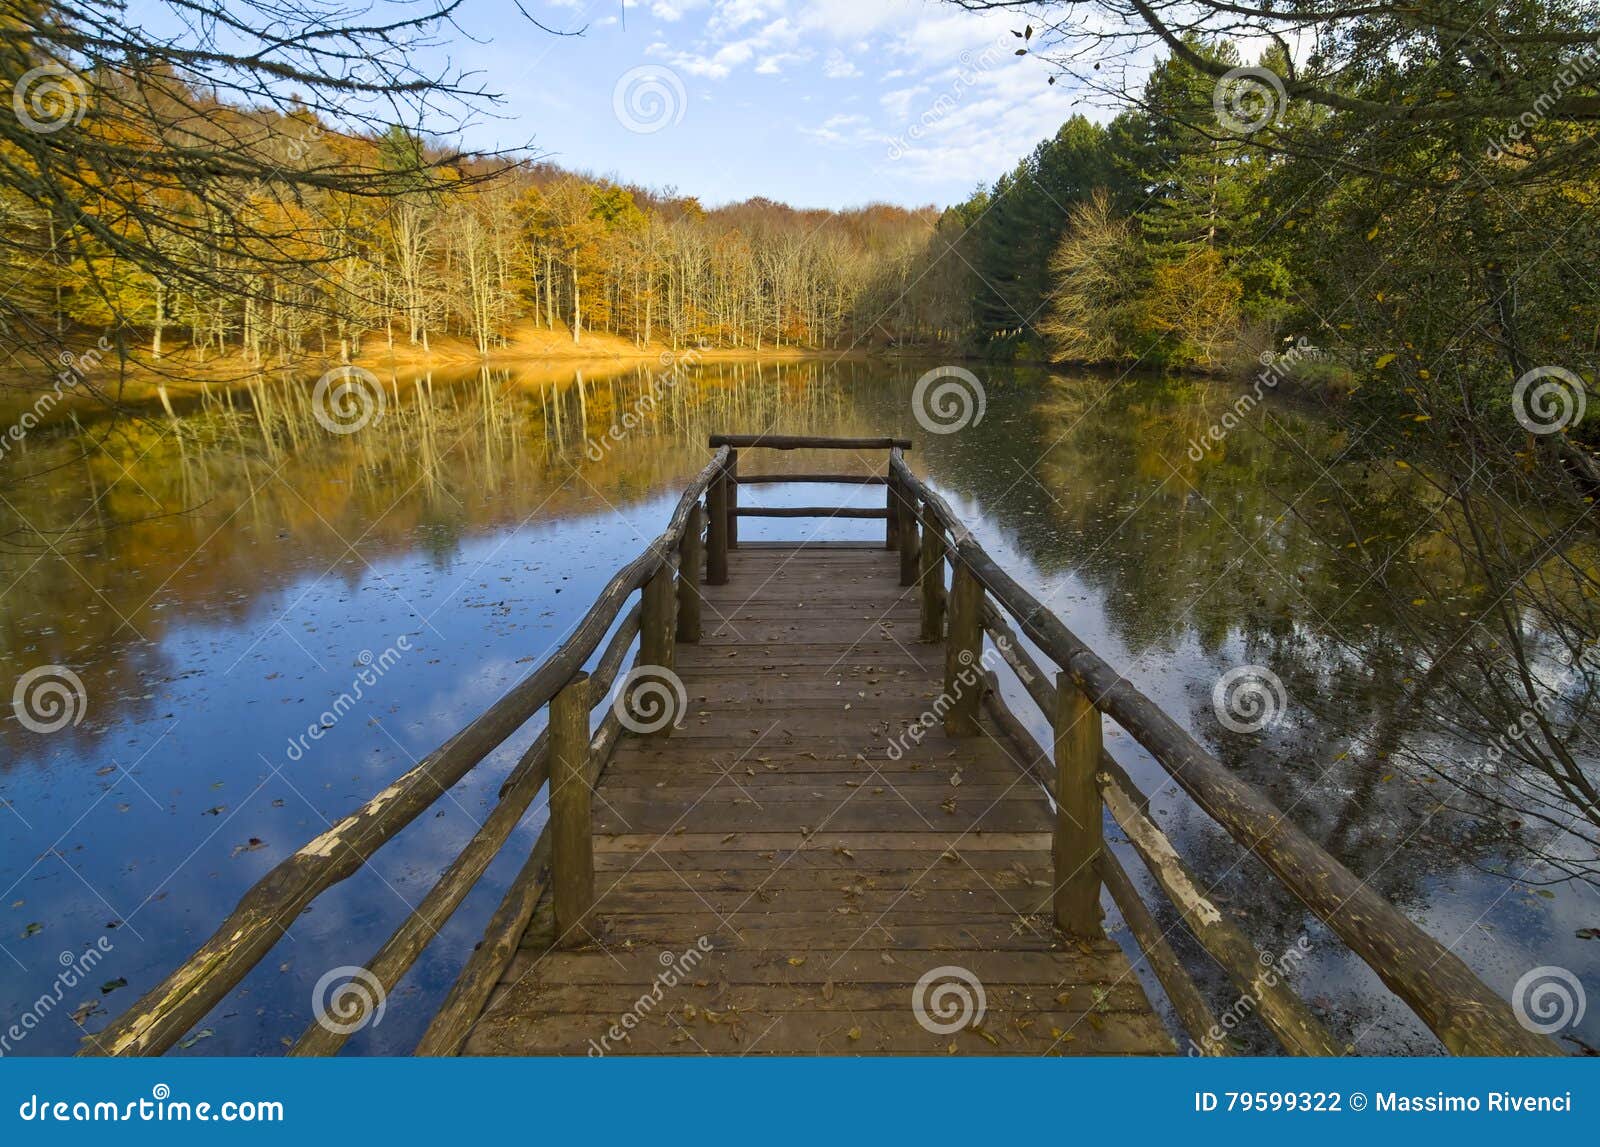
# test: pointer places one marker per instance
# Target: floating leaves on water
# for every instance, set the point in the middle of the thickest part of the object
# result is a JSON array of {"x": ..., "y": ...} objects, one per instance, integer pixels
[
  {"x": 251, "y": 845},
  {"x": 32, "y": 929},
  {"x": 112, "y": 985},
  {"x": 203, "y": 1033}
]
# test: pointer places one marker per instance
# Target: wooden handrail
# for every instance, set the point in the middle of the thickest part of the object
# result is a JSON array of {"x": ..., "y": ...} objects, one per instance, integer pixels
[
  {"x": 826, "y": 479},
  {"x": 521, "y": 786},
  {"x": 810, "y": 512},
  {"x": 1435, "y": 983},
  {"x": 1283, "y": 1013},
  {"x": 1194, "y": 1014},
  {"x": 163, "y": 1014},
  {"x": 802, "y": 442}
]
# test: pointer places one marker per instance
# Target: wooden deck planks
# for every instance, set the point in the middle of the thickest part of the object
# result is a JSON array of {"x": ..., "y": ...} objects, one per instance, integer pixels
[{"x": 804, "y": 861}]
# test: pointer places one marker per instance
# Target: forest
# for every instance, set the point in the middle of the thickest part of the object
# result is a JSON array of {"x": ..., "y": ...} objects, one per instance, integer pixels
[{"x": 1400, "y": 221}]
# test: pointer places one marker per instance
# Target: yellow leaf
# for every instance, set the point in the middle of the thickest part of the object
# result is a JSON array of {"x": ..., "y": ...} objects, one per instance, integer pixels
[
  {"x": 1373, "y": 234},
  {"x": 796, "y": 961},
  {"x": 1419, "y": 601},
  {"x": 854, "y": 1033},
  {"x": 1384, "y": 360}
]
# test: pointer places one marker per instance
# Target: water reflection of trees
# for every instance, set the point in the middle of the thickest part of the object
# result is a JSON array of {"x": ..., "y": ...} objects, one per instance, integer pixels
[
  {"x": 1232, "y": 556},
  {"x": 137, "y": 525}
]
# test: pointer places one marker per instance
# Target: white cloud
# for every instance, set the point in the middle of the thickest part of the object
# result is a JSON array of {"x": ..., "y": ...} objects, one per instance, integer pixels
[
  {"x": 898, "y": 102},
  {"x": 671, "y": 11},
  {"x": 772, "y": 44},
  {"x": 957, "y": 107},
  {"x": 836, "y": 67},
  {"x": 854, "y": 130},
  {"x": 732, "y": 14}
]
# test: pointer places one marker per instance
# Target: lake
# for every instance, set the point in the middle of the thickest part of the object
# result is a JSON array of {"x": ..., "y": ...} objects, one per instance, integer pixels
[{"x": 216, "y": 576}]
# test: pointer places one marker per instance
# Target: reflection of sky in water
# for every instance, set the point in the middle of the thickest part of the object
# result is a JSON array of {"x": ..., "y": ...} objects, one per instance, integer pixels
[{"x": 178, "y": 790}]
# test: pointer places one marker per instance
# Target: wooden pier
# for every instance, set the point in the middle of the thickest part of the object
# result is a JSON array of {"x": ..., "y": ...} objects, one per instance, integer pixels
[{"x": 805, "y": 822}]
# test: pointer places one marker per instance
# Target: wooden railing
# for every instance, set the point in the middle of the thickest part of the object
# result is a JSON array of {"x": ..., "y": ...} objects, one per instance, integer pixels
[
  {"x": 564, "y": 755},
  {"x": 566, "y": 759},
  {"x": 1468, "y": 1018},
  {"x": 723, "y": 500}
]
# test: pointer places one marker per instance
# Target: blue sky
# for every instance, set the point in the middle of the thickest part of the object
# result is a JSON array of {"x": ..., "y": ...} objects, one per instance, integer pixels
[{"x": 823, "y": 103}]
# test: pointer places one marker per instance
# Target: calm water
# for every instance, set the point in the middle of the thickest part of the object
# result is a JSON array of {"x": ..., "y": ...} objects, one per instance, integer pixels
[{"x": 216, "y": 580}]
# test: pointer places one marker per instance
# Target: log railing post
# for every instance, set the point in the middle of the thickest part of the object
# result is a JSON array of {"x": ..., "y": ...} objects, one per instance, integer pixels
[
  {"x": 963, "y": 676},
  {"x": 1078, "y": 836},
  {"x": 733, "y": 499},
  {"x": 906, "y": 513},
  {"x": 717, "y": 531},
  {"x": 571, "y": 827},
  {"x": 657, "y": 627},
  {"x": 891, "y": 523},
  {"x": 931, "y": 560},
  {"x": 691, "y": 556}
]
